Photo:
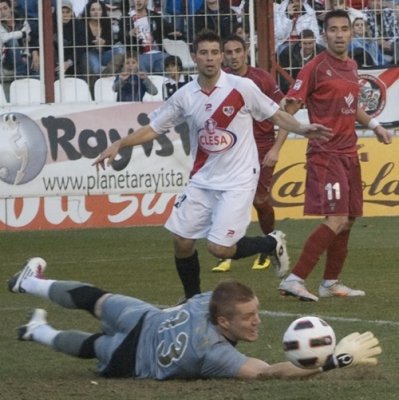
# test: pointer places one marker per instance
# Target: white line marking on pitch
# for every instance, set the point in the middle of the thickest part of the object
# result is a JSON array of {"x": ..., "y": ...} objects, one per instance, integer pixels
[
  {"x": 330, "y": 318},
  {"x": 326, "y": 317}
]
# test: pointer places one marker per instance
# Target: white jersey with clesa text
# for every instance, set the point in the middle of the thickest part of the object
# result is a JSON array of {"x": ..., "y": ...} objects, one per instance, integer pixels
[{"x": 221, "y": 135}]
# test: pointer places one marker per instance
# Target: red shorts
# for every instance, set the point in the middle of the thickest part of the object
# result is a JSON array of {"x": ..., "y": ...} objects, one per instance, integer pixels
[{"x": 333, "y": 185}]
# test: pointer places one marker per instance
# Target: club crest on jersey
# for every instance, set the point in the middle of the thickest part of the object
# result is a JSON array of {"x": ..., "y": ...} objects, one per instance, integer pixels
[
  {"x": 228, "y": 110},
  {"x": 349, "y": 101},
  {"x": 213, "y": 140},
  {"x": 297, "y": 84}
]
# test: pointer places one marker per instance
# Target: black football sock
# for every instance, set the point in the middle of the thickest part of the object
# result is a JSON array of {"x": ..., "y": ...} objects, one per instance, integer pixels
[
  {"x": 249, "y": 246},
  {"x": 189, "y": 272}
]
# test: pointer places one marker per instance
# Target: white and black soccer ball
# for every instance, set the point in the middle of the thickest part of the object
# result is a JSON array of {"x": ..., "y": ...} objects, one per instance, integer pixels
[{"x": 308, "y": 341}]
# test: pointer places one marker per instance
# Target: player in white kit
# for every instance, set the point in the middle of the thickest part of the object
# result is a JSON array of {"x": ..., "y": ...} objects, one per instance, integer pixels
[{"x": 216, "y": 203}]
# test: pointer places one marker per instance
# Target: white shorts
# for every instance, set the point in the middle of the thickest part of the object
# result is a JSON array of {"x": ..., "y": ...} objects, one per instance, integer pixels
[{"x": 220, "y": 216}]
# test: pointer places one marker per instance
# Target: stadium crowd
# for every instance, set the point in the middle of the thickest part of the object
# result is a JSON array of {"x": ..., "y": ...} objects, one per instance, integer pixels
[{"x": 95, "y": 36}]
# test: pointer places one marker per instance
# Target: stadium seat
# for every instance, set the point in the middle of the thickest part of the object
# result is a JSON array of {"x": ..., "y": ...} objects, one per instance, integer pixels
[
  {"x": 71, "y": 90},
  {"x": 25, "y": 91},
  {"x": 158, "y": 81},
  {"x": 181, "y": 49},
  {"x": 103, "y": 90}
]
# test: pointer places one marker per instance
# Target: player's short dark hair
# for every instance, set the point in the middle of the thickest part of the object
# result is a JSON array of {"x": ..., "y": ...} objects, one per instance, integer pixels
[
  {"x": 226, "y": 296},
  {"x": 206, "y": 35},
  {"x": 235, "y": 38},
  {"x": 339, "y": 13},
  {"x": 173, "y": 60}
]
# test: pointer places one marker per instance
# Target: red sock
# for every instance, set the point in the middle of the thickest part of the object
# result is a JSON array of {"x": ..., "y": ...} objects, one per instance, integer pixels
[
  {"x": 336, "y": 255},
  {"x": 266, "y": 217},
  {"x": 316, "y": 244}
]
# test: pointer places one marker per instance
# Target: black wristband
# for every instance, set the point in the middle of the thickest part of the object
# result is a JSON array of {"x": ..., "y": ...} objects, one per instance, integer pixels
[
  {"x": 337, "y": 361},
  {"x": 331, "y": 363}
]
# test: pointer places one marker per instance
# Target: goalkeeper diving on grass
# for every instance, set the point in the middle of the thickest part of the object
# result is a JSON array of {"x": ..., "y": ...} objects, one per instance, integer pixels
[{"x": 197, "y": 339}]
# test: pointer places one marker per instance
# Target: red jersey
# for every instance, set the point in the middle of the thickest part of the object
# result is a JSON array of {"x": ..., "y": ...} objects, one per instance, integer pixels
[
  {"x": 329, "y": 87},
  {"x": 263, "y": 130}
]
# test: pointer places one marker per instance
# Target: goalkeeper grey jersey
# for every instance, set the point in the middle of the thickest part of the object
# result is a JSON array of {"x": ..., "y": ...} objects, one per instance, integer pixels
[
  {"x": 143, "y": 341},
  {"x": 181, "y": 342}
]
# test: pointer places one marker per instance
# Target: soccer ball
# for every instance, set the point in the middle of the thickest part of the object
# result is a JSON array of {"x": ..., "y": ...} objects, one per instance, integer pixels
[{"x": 308, "y": 341}]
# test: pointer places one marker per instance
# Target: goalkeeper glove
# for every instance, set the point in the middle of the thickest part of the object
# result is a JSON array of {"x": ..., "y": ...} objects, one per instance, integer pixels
[{"x": 354, "y": 349}]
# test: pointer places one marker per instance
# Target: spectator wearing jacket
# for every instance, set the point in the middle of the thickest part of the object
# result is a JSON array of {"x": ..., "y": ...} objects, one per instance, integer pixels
[
  {"x": 291, "y": 17},
  {"x": 383, "y": 26},
  {"x": 216, "y": 16},
  {"x": 142, "y": 31},
  {"x": 364, "y": 50},
  {"x": 18, "y": 58}
]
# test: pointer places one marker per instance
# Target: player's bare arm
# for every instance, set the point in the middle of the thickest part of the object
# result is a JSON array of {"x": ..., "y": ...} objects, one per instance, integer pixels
[
  {"x": 272, "y": 156},
  {"x": 255, "y": 369},
  {"x": 383, "y": 135},
  {"x": 142, "y": 135},
  {"x": 289, "y": 123},
  {"x": 291, "y": 106}
]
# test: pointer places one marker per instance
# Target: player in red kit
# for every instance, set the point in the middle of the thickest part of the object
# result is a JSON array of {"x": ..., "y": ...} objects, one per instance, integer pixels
[
  {"x": 329, "y": 87},
  {"x": 235, "y": 59}
]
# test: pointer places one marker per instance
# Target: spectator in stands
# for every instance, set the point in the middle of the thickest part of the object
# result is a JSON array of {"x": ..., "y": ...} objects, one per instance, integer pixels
[
  {"x": 180, "y": 10},
  {"x": 29, "y": 8},
  {"x": 100, "y": 49},
  {"x": 320, "y": 9},
  {"x": 383, "y": 26},
  {"x": 142, "y": 31},
  {"x": 177, "y": 11},
  {"x": 240, "y": 30},
  {"x": 343, "y": 5},
  {"x": 216, "y": 16},
  {"x": 18, "y": 58},
  {"x": 241, "y": 8},
  {"x": 73, "y": 34},
  {"x": 363, "y": 49},
  {"x": 296, "y": 55},
  {"x": 175, "y": 76},
  {"x": 291, "y": 17},
  {"x": 130, "y": 84}
]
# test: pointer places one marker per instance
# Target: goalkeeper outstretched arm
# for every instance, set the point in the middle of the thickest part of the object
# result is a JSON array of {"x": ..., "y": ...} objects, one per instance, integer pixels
[
  {"x": 354, "y": 349},
  {"x": 257, "y": 369}
]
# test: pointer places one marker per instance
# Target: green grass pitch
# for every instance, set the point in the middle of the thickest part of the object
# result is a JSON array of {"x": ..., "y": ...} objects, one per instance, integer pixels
[{"x": 139, "y": 262}]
